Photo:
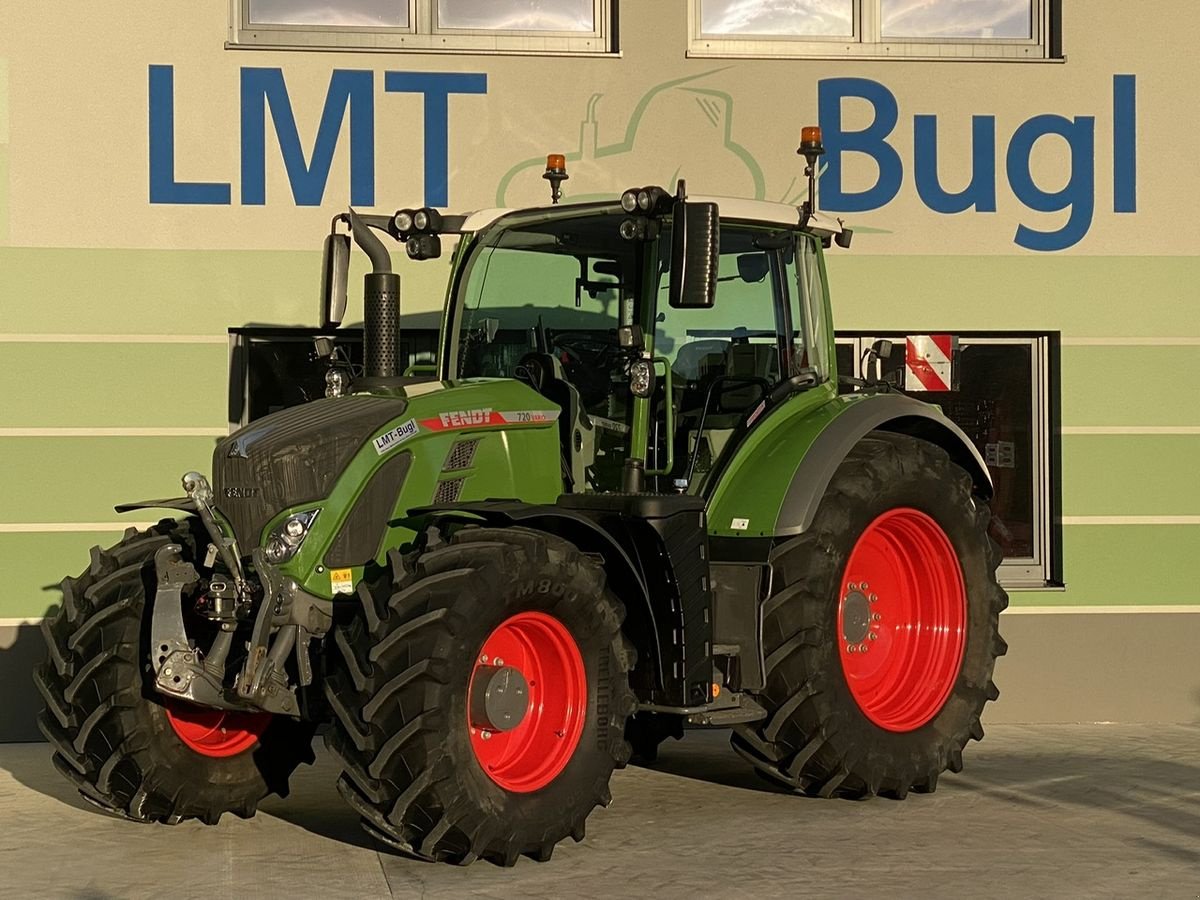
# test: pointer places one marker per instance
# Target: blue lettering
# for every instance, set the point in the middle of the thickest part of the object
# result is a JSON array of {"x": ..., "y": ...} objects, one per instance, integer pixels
[
  {"x": 163, "y": 186},
  {"x": 1124, "y": 144},
  {"x": 871, "y": 141},
  {"x": 347, "y": 88},
  {"x": 1078, "y": 194},
  {"x": 981, "y": 192},
  {"x": 436, "y": 88}
]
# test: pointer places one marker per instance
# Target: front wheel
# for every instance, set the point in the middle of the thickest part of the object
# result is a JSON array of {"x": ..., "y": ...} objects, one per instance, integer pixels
[
  {"x": 881, "y": 631},
  {"x": 126, "y": 748},
  {"x": 480, "y": 691}
]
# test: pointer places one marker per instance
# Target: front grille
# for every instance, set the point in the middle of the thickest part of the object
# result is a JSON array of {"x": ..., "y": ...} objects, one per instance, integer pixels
[
  {"x": 292, "y": 457},
  {"x": 462, "y": 456},
  {"x": 448, "y": 491},
  {"x": 358, "y": 540}
]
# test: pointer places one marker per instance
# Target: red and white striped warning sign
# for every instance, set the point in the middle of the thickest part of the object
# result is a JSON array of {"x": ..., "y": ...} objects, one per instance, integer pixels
[{"x": 929, "y": 362}]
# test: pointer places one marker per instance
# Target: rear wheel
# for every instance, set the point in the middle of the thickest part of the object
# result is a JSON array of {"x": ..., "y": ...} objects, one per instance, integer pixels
[
  {"x": 480, "y": 692},
  {"x": 881, "y": 633},
  {"x": 127, "y": 749}
]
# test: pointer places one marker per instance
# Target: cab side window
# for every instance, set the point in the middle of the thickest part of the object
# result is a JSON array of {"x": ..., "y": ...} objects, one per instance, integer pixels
[{"x": 741, "y": 336}]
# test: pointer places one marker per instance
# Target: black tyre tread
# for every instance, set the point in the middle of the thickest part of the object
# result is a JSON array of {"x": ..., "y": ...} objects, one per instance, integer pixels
[
  {"x": 96, "y": 698},
  {"x": 797, "y": 745},
  {"x": 387, "y": 689}
]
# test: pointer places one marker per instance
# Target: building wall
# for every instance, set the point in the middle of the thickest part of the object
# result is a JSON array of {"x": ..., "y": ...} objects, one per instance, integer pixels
[{"x": 115, "y": 294}]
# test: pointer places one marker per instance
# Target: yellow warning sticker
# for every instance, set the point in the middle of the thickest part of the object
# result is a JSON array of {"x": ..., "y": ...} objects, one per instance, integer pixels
[{"x": 341, "y": 581}]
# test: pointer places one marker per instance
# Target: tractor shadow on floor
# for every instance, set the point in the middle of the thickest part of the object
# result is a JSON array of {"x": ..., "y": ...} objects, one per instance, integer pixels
[
  {"x": 1156, "y": 797},
  {"x": 1160, "y": 795},
  {"x": 705, "y": 755},
  {"x": 315, "y": 805}
]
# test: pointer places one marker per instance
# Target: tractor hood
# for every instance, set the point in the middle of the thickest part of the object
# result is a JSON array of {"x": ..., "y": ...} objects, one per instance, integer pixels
[{"x": 292, "y": 457}]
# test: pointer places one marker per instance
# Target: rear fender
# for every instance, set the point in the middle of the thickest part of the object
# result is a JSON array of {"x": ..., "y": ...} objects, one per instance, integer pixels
[
  {"x": 777, "y": 476},
  {"x": 880, "y": 412}
]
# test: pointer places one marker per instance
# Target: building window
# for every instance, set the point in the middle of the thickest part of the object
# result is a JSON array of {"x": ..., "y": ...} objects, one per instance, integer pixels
[
  {"x": 994, "y": 30},
  {"x": 530, "y": 27}
]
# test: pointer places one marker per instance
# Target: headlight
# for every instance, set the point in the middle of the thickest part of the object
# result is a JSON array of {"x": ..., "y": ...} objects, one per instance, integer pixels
[
  {"x": 629, "y": 201},
  {"x": 285, "y": 540},
  {"x": 404, "y": 221}
]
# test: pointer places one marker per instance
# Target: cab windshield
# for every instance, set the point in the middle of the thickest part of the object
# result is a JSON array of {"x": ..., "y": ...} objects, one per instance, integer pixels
[{"x": 543, "y": 298}]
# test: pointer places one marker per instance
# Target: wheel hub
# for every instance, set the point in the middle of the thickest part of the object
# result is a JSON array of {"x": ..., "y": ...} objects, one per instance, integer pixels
[
  {"x": 499, "y": 698},
  {"x": 856, "y": 617}
]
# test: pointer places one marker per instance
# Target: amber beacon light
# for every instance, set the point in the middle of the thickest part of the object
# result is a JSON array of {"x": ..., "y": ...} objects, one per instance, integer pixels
[{"x": 556, "y": 174}]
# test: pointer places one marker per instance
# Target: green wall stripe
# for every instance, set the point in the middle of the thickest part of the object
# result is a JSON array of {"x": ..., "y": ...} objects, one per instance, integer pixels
[
  {"x": 79, "y": 479},
  {"x": 1142, "y": 565},
  {"x": 1130, "y": 475},
  {"x": 205, "y": 291},
  {"x": 135, "y": 385},
  {"x": 33, "y": 562},
  {"x": 1130, "y": 385},
  {"x": 1084, "y": 296},
  {"x": 180, "y": 291},
  {"x": 1106, "y": 565}
]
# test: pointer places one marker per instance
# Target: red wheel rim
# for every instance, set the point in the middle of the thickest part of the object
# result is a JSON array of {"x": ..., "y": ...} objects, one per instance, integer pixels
[
  {"x": 215, "y": 732},
  {"x": 530, "y": 755},
  {"x": 902, "y": 620}
]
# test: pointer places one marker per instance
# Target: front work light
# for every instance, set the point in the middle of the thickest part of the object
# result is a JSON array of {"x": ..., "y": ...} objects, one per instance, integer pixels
[{"x": 647, "y": 200}]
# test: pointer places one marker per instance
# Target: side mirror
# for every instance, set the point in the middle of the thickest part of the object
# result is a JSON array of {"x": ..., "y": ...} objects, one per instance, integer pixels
[
  {"x": 695, "y": 244},
  {"x": 335, "y": 272}
]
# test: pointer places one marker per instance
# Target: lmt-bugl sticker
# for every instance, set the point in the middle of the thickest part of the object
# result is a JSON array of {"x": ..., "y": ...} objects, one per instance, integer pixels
[{"x": 397, "y": 435}]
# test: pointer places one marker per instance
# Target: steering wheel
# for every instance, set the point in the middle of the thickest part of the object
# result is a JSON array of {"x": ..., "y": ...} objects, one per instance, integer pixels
[{"x": 535, "y": 369}]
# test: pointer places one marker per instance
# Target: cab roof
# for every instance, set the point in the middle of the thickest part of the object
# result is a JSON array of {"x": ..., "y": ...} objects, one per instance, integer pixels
[{"x": 764, "y": 211}]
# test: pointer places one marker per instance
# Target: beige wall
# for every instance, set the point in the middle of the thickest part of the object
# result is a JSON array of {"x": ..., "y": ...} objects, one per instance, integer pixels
[{"x": 113, "y": 309}]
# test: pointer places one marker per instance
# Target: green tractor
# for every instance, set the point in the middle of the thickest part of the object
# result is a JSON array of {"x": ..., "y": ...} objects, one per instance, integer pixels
[{"x": 629, "y": 500}]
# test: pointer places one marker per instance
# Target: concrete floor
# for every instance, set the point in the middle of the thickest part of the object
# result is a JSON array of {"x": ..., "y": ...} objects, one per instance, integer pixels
[{"x": 1063, "y": 811}]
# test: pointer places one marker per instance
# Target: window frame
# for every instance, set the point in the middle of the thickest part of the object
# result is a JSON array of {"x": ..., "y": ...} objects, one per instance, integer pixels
[
  {"x": 867, "y": 41},
  {"x": 423, "y": 35}
]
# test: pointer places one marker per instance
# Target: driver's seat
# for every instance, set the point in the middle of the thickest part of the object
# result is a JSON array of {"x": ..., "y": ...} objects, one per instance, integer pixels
[{"x": 696, "y": 359}]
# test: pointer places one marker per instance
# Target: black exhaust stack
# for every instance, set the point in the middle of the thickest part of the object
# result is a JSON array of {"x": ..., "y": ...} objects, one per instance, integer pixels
[
  {"x": 381, "y": 306},
  {"x": 381, "y": 323}
]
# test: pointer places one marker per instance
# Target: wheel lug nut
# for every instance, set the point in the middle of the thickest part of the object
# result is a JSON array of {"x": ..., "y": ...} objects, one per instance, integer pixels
[
  {"x": 873, "y": 636},
  {"x": 483, "y": 658},
  {"x": 873, "y": 597},
  {"x": 850, "y": 648},
  {"x": 863, "y": 648},
  {"x": 499, "y": 661},
  {"x": 486, "y": 735},
  {"x": 875, "y": 617}
]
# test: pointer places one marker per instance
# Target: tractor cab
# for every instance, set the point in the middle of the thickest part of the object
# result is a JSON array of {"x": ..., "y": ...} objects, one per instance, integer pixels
[{"x": 576, "y": 301}]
